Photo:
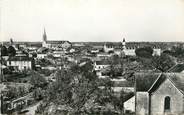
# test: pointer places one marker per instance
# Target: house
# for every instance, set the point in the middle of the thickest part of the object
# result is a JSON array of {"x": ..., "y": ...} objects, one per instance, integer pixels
[
  {"x": 58, "y": 53},
  {"x": 20, "y": 63},
  {"x": 159, "y": 94},
  {"x": 108, "y": 47},
  {"x": 41, "y": 55},
  {"x": 103, "y": 55},
  {"x": 94, "y": 50},
  {"x": 99, "y": 65},
  {"x": 129, "y": 105}
]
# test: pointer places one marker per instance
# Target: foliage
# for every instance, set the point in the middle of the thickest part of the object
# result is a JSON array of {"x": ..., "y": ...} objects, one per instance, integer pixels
[
  {"x": 13, "y": 76},
  {"x": 163, "y": 62},
  {"x": 50, "y": 56},
  {"x": 43, "y": 62},
  {"x": 11, "y": 93},
  {"x": 124, "y": 66},
  {"x": 177, "y": 52},
  {"x": 38, "y": 94},
  {"x": 145, "y": 52},
  {"x": 46, "y": 72},
  {"x": 4, "y": 51},
  {"x": 105, "y": 94},
  {"x": 15, "y": 92},
  {"x": 34, "y": 54},
  {"x": 11, "y": 51},
  {"x": 37, "y": 80},
  {"x": 60, "y": 91},
  {"x": 73, "y": 87},
  {"x": 78, "y": 89}
]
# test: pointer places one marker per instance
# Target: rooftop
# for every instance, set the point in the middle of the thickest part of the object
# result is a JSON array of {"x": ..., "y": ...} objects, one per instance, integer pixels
[
  {"x": 177, "y": 68},
  {"x": 57, "y": 42},
  {"x": 103, "y": 62},
  {"x": 144, "y": 81},
  {"x": 20, "y": 58}
]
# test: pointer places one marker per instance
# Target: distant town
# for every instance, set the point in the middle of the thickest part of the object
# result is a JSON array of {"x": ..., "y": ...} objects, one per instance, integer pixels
[{"x": 58, "y": 77}]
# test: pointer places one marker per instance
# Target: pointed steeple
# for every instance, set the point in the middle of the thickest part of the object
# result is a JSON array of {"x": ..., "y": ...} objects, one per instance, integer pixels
[
  {"x": 123, "y": 39},
  {"x": 44, "y": 36},
  {"x": 11, "y": 41}
]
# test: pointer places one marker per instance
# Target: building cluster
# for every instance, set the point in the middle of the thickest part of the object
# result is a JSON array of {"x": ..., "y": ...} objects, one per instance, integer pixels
[{"x": 152, "y": 93}]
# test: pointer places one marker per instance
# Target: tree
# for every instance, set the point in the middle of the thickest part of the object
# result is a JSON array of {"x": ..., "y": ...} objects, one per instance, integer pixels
[
  {"x": 4, "y": 51},
  {"x": 178, "y": 51},
  {"x": 21, "y": 91},
  {"x": 162, "y": 63},
  {"x": 38, "y": 94},
  {"x": 73, "y": 87},
  {"x": 34, "y": 54},
  {"x": 145, "y": 52},
  {"x": 60, "y": 92},
  {"x": 37, "y": 80},
  {"x": 105, "y": 94},
  {"x": 11, "y": 51},
  {"x": 12, "y": 93}
]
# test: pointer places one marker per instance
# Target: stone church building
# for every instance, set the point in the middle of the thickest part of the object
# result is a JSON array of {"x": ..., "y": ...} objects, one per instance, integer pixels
[
  {"x": 56, "y": 44},
  {"x": 159, "y": 94}
]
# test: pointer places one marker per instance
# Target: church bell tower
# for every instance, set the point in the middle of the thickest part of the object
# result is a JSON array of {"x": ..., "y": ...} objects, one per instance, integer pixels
[{"x": 124, "y": 44}]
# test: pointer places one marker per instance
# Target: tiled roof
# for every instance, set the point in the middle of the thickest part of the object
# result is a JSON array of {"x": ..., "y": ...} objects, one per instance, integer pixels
[
  {"x": 144, "y": 82},
  {"x": 20, "y": 58},
  {"x": 178, "y": 80},
  {"x": 177, "y": 68},
  {"x": 104, "y": 62}
]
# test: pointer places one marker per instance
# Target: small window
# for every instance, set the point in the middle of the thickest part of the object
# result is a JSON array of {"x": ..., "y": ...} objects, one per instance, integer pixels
[{"x": 167, "y": 103}]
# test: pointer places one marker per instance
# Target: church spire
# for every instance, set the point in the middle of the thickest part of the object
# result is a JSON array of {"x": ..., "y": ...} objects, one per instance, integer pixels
[
  {"x": 44, "y": 36},
  {"x": 123, "y": 39},
  {"x": 124, "y": 43},
  {"x": 11, "y": 41}
]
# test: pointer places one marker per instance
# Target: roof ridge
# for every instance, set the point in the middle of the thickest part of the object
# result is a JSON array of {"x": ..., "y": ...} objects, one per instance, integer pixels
[{"x": 155, "y": 81}]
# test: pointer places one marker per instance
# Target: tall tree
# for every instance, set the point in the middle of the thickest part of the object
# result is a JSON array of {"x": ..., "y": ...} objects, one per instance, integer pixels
[
  {"x": 4, "y": 51},
  {"x": 11, "y": 51},
  {"x": 162, "y": 63},
  {"x": 145, "y": 52},
  {"x": 37, "y": 80}
]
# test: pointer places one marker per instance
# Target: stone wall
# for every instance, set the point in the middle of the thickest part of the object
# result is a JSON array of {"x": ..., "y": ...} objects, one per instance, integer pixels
[
  {"x": 158, "y": 98},
  {"x": 142, "y": 103}
]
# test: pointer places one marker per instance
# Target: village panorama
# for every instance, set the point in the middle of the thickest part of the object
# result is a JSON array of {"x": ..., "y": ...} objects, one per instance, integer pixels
[{"x": 91, "y": 78}]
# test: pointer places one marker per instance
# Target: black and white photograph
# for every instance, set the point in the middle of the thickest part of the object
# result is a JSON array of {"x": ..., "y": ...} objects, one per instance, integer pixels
[{"x": 92, "y": 57}]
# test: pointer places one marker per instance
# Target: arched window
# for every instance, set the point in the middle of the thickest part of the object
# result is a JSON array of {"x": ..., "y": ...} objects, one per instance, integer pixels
[{"x": 167, "y": 103}]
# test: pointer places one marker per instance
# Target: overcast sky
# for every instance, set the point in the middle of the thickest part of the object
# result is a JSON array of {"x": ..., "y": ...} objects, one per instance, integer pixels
[{"x": 92, "y": 20}]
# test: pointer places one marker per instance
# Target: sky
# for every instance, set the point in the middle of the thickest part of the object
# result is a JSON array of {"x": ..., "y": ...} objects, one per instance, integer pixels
[{"x": 92, "y": 20}]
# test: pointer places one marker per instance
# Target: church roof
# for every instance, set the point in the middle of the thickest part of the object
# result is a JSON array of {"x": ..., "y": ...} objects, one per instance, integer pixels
[
  {"x": 57, "y": 42},
  {"x": 150, "y": 82},
  {"x": 145, "y": 80}
]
